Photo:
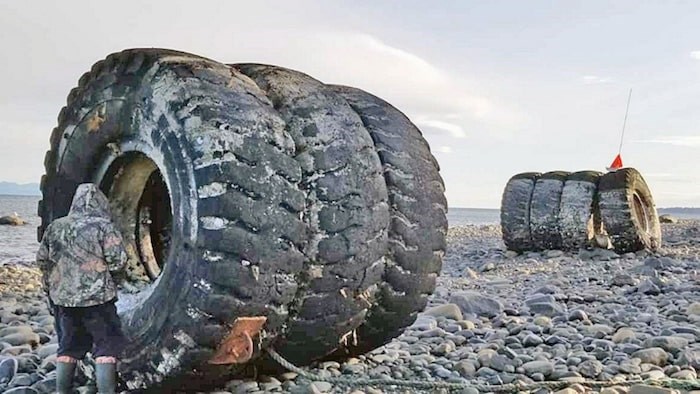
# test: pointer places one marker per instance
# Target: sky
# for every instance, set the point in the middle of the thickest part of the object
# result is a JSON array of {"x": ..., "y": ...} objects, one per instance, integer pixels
[{"x": 497, "y": 87}]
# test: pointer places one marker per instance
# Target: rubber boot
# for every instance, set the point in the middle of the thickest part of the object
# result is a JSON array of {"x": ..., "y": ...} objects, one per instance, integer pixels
[
  {"x": 64, "y": 377},
  {"x": 106, "y": 376}
]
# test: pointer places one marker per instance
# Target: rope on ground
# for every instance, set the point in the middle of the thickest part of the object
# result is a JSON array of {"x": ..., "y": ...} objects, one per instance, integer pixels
[{"x": 680, "y": 384}]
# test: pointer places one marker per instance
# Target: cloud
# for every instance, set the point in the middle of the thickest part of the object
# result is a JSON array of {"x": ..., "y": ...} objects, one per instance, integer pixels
[
  {"x": 445, "y": 149},
  {"x": 595, "y": 80},
  {"x": 695, "y": 55},
  {"x": 669, "y": 178},
  {"x": 680, "y": 140},
  {"x": 428, "y": 94},
  {"x": 454, "y": 129}
]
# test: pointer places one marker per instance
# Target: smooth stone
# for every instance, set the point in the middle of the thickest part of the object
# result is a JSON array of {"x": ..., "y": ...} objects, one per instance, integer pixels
[
  {"x": 466, "y": 368},
  {"x": 685, "y": 374},
  {"x": 648, "y": 287},
  {"x": 549, "y": 309},
  {"x": 478, "y": 304},
  {"x": 542, "y": 321},
  {"x": 598, "y": 331},
  {"x": 549, "y": 289},
  {"x": 23, "y": 329},
  {"x": 8, "y": 369},
  {"x": 449, "y": 311},
  {"x": 532, "y": 340},
  {"x": 689, "y": 357},
  {"x": 443, "y": 372},
  {"x": 647, "y": 389},
  {"x": 566, "y": 391},
  {"x": 486, "y": 371},
  {"x": 540, "y": 298},
  {"x": 484, "y": 356},
  {"x": 320, "y": 387},
  {"x": 501, "y": 363},
  {"x": 381, "y": 358},
  {"x": 654, "y": 374},
  {"x": 624, "y": 334},
  {"x": 444, "y": 348},
  {"x": 435, "y": 332},
  {"x": 538, "y": 367},
  {"x": 22, "y": 338},
  {"x": 654, "y": 355},
  {"x": 590, "y": 368},
  {"x": 578, "y": 314},
  {"x": 669, "y": 343},
  {"x": 630, "y": 366},
  {"x": 21, "y": 379},
  {"x": 47, "y": 385},
  {"x": 21, "y": 390},
  {"x": 625, "y": 280},
  {"x": 693, "y": 309},
  {"x": 466, "y": 324},
  {"x": 47, "y": 350},
  {"x": 16, "y": 350}
]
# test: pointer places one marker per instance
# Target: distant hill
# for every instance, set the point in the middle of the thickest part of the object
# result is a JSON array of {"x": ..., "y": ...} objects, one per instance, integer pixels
[{"x": 19, "y": 189}]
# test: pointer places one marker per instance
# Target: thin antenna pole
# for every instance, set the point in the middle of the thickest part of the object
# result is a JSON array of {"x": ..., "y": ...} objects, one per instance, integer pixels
[{"x": 624, "y": 123}]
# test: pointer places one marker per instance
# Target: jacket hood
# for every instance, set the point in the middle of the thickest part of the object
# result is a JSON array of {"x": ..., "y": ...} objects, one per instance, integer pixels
[{"x": 90, "y": 201}]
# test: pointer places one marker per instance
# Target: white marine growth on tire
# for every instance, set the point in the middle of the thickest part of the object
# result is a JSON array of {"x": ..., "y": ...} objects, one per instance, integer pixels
[{"x": 576, "y": 212}]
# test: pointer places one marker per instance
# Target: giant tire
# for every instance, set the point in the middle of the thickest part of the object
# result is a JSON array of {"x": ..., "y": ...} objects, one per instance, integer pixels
[
  {"x": 418, "y": 219},
  {"x": 275, "y": 204},
  {"x": 579, "y": 216},
  {"x": 515, "y": 211},
  {"x": 628, "y": 212},
  {"x": 347, "y": 212},
  {"x": 233, "y": 185},
  {"x": 544, "y": 210}
]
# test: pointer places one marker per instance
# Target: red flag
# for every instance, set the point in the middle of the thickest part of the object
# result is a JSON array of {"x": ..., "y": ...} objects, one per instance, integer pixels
[{"x": 616, "y": 164}]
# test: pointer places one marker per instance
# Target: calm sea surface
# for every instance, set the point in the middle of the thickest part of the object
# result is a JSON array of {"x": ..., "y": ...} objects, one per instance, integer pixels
[{"x": 18, "y": 244}]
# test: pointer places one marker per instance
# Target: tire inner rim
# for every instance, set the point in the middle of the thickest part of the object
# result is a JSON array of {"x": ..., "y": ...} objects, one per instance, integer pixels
[
  {"x": 640, "y": 211},
  {"x": 141, "y": 208}
]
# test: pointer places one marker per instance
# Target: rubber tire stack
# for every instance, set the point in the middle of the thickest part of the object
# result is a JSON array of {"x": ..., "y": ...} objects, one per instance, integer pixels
[
  {"x": 319, "y": 207},
  {"x": 559, "y": 210}
]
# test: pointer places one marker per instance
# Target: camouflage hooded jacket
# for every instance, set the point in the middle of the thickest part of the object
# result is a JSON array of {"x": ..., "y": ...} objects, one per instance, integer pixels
[{"x": 79, "y": 251}]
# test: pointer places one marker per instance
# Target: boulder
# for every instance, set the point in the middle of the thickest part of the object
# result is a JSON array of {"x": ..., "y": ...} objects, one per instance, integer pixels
[
  {"x": 477, "y": 304},
  {"x": 12, "y": 220},
  {"x": 667, "y": 219}
]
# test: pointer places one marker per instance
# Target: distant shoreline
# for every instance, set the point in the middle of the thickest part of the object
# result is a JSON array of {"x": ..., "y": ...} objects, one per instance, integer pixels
[{"x": 695, "y": 209}]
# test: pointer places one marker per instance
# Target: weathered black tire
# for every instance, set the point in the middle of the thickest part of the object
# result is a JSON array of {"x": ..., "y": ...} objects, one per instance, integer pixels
[
  {"x": 279, "y": 207},
  {"x": 515, "y": 211},
  {"x": 579, "y": 216},
  {"x": 628, "y": 212},
  {"x": 544, "y": 210},
  {"x": 229, "y": 166},
  {"x": 418, "y": 219},
  {"x": 347, "y": 212}
]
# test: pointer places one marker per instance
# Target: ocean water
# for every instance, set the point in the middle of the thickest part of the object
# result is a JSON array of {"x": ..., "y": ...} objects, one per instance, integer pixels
[
  {"x": 464, "y": 216},
  {"x": 18, "y": 243}
]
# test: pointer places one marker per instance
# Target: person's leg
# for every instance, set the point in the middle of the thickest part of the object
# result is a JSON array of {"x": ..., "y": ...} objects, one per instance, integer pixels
[
  {"x": 105, "y": 327},
  {"x": 73, "y": 344}
]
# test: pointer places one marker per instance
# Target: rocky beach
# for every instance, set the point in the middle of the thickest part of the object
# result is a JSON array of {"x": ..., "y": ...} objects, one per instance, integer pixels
[{"x": 495, "y": 318}]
